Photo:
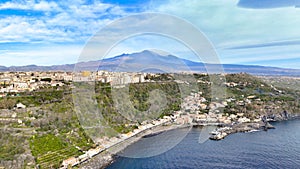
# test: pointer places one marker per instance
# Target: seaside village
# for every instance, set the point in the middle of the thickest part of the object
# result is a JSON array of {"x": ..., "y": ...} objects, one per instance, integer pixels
[{"x": 13, "y": 83}]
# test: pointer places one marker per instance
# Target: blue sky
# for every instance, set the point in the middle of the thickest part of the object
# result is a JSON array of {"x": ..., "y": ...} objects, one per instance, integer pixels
[{"x": 259, "y": 32}]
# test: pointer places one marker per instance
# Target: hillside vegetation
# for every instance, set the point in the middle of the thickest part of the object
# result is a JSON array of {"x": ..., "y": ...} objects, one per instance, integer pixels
[{"x": 48, "y": 130}]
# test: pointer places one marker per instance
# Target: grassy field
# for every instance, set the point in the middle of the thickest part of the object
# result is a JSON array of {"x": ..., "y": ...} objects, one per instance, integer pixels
[{"x": 50, "y": 150}]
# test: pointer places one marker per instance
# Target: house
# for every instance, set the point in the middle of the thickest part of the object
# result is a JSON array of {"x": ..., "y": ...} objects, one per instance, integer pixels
[
  {"x": 92, "y": 152},
  {"x": 20, "y": 106},
  {"x": 70, "y": 162},
  {"x": 83, "y": 157}
]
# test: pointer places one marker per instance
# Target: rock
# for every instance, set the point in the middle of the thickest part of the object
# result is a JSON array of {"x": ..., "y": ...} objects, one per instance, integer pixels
[
  {"x": 269, "y": 126},
  {"x": 240, "y": 114},
  {"x": 233, "y": 117},
  {"x": 243, "y": 120},
  {"x": 218, "y": 136}
]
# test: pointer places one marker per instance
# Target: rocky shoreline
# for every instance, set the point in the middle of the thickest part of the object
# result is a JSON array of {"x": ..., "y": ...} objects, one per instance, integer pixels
[
  {"x": 107, "y": 157},
  {"x": 224, "y": 130}
]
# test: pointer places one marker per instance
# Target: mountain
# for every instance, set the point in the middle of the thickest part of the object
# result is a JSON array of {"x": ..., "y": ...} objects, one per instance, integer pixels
[{"x": 149, "y": 61}]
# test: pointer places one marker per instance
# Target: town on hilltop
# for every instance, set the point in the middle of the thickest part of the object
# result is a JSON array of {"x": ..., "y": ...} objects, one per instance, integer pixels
[{"x": 38, "y": 107}]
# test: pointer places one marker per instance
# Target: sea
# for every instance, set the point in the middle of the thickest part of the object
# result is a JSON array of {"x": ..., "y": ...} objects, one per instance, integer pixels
[{"x": 275, "y": 149}]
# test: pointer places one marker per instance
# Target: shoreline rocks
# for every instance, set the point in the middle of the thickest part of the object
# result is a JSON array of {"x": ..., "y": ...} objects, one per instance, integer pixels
[
  {"x": 222, "y": 132},
  {"x": 106, "y": 158}
]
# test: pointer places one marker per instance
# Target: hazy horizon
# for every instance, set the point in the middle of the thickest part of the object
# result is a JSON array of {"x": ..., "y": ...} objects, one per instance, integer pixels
[{"x": 152, "y": 50}]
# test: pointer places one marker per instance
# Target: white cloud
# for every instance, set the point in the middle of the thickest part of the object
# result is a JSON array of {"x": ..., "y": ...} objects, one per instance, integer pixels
[
  {"x": 223, "y": 22},
  {"x": 61, "y": 22},
  {"x": 227, "y": 25},
  {"x": 13, "y": 5},
  {"x": 20, "y": 29},
  {"x": 43, "y": 25},
  {"x": 30, "y": 5},
  {"x": 46, "y": 6}
]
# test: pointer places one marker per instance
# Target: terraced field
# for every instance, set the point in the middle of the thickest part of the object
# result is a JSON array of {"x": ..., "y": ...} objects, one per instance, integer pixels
[
  {"x": 54, "y": 159},
  {"x": 51, "y": 150}
]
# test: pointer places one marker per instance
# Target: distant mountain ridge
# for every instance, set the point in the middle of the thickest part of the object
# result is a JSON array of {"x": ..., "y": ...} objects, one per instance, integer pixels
[{"x": 149, "y": 61}]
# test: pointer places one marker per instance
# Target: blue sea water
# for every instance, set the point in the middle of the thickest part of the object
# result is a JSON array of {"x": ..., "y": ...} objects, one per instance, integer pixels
[{"x": 278, "y": 148}]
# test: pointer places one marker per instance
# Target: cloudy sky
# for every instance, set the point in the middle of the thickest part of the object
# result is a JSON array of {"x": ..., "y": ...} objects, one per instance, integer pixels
[{"x": 253, "y": 32}]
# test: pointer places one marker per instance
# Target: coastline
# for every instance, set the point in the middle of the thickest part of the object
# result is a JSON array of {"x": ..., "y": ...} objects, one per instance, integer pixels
[
  {"x": 226, "y": 130},
  {"x": 258, "y": 145},
  {"x": 108, "y": 156}
]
